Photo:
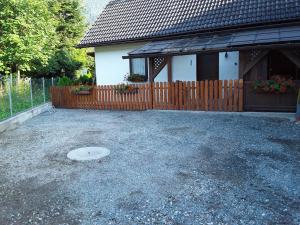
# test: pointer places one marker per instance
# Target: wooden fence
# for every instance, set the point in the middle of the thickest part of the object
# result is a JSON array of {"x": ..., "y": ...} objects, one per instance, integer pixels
[{"x": 205, "y": 96}]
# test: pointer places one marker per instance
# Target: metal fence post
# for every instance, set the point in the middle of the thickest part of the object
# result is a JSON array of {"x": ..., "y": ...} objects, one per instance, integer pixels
[
  {"x": 52, "y": 81},
  {"x": 9, "y": 94},
  {"x": 44, "y": 91},
  {"x": 31, "y": 96}
]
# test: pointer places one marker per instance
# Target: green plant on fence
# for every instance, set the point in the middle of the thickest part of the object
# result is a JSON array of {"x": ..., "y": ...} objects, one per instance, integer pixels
[
  {"x": 4, "y": 103},
  {"x": 125, "y": 89},
  {"x": 277, "y": 85},
  {"x": 20, "y": 96},
  {"x": 65, "y": 81},
  {"x": 82, "y": 80},
  {"x": 83, "y": 89},
  {"x": 85, "y": 80}
]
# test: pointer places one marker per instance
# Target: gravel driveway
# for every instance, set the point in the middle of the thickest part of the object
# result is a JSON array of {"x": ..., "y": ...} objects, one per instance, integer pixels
[{"x": 164, "y": 168}]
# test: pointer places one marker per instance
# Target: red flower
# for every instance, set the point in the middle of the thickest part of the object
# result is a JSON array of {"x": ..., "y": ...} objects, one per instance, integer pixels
[{"x": 283, "y": 89}]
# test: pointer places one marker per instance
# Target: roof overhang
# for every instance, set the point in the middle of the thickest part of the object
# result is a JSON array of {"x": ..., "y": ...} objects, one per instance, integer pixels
[{"x": 277, "y": 37}]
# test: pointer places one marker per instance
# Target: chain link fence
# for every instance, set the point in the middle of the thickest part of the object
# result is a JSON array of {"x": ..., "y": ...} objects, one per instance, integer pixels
[{"x": 19, "y": 95}]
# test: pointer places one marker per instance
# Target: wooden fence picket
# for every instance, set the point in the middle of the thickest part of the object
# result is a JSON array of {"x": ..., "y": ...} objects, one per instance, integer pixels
[
  {"x": 200, "y": 95},
  {"x": 230, "y": 107},
  {"x": 235, "y": 95},
  {"x": 241, "y": 96},
  {"x": 225, "y": 101},
  {"x": 220, "y": 95},
  {"x": 216, "y": 95}
]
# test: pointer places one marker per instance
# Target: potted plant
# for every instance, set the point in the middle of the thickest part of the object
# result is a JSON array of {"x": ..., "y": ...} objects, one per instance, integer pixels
[
  {"x": 126, "y": 89},
  {"x": 298, "y": 107},
  {"x": 83, "y": 90},
  {"x": 276, "y": 85}
]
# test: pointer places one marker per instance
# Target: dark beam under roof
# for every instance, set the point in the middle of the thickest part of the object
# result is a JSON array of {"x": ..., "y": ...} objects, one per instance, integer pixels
[{"x": 258, "y": 38}]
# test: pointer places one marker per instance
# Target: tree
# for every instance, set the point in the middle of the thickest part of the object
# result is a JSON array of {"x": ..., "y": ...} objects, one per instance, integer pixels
[
  {"x": 27, "y": 34},
  {"x": 69, "y": 30},
  {"x": 38, "y": 37}
]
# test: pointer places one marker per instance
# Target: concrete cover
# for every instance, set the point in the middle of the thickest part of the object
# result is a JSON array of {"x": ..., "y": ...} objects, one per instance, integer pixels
[{"x": 88, "y": 153}]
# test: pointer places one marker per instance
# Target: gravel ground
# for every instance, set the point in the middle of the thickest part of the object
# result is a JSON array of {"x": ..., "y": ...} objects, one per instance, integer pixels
[{"x": 164, "y": 168}]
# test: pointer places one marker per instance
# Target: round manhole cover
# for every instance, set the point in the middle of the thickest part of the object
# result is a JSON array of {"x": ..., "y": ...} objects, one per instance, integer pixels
[{"x": 89, "y": 153}]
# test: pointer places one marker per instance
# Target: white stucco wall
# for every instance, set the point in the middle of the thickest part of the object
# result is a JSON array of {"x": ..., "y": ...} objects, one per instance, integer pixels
[
  {"x": 162, "y": 76},
  {"x": 184, "y": 67},
  {"x": 110, "y": 67},
  {"x": 229, "y": 67}
]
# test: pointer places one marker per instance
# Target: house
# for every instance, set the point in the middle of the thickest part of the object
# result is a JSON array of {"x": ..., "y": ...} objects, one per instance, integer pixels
[{"x": 193, "y": 40}]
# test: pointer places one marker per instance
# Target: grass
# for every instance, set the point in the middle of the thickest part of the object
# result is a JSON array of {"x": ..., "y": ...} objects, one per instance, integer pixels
[{"x": 21, "y": 97}]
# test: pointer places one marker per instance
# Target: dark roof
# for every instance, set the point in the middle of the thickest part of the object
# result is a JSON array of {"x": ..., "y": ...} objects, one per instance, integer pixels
[
  {"x": 132, "y": 20},
  {"x": 234, "y": 40}
]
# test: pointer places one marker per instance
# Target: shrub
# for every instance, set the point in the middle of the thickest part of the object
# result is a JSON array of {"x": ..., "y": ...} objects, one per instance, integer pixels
[
  {"x": 85, "y": 80},
  {"x": 64, "y": 81}
]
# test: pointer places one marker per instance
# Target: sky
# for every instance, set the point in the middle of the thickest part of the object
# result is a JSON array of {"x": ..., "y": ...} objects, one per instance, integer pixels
[{"x": 93, "y": 9}]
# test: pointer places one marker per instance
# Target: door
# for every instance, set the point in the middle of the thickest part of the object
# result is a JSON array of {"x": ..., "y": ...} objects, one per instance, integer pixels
[{"x": 208, "y": 66}]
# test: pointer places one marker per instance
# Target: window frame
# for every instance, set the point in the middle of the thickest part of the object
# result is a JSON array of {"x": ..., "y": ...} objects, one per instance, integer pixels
[{"x": 146, "y": 67}]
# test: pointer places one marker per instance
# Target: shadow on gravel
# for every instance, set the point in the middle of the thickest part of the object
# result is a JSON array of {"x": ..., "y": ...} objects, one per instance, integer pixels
[
  {"x": 34, "y": 203},
  {"x": 291, "y": 145}
]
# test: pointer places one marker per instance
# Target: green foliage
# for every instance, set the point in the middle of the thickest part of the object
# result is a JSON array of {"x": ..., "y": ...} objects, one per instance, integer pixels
[
  {"x": 39, "y": 37},
  {"x": 276, "y": 84},
  {"x": 20, "y": 95},
  {"x": 82, "y": 80},
  {"x": 85, "y": 80},
  {"x": 70, "y": 29},
  {"x": 27, "y": 34},
  {"x": 82, "y": 89},
  {"x": 65, "y": 81},
  {"x": 126, "y": 89}
]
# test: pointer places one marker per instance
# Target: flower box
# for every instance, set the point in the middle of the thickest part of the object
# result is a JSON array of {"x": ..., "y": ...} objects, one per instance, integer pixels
[
  {"x": 83, "y": 93},
  {"x": 136, "y": 78},
  {"x": 83, "y": 90},
  {"x": 276, "y": 85},
  {"x": 126, "y": 89}
]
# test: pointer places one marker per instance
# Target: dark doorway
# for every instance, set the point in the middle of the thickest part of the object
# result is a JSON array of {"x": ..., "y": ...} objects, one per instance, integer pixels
[
  {"x": 208, "y": 66},
  {"x": 278, "y": 64}
]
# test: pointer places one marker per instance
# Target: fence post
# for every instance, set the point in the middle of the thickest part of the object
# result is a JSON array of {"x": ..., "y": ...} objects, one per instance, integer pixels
[
  {"x": 241, "y": 95},
  {"x": 151, "y": 95},
  {"x": 31, "y": 96},
  {"x": 44, "y": 91},
  {"x": 52, "y": 81},
  {"x": 9, "y": 94}
]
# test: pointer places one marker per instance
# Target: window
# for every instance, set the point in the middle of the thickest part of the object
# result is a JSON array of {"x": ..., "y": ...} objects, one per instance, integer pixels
[{"x": 139, "y": 66}]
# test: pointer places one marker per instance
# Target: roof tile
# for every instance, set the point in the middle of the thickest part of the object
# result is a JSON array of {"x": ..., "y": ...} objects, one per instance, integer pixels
[{"x": 127, "y": 20}]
